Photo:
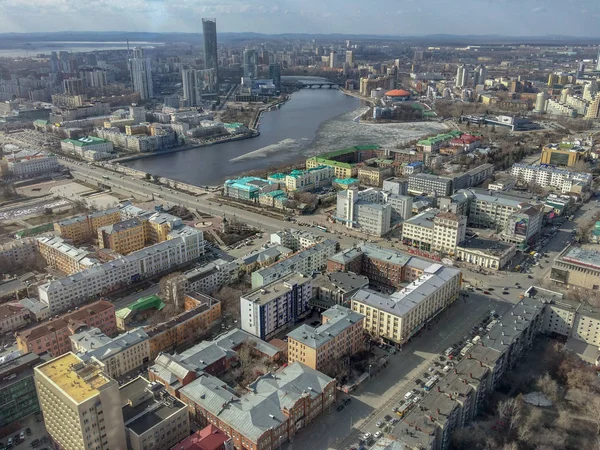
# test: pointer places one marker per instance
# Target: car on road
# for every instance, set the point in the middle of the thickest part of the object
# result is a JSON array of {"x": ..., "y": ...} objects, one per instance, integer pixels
[
  {"x": 505, "y": 292},
  {"x": 486, "y": 292},
  {"x": 378, "y": 434},
  {"x": 348, "y": 400},
  {"x": 339, "y": 408},
  {"x": 408, "y": 395},
  {"x": 418, "y": 381},
  {"x": 395, "y": 420}
]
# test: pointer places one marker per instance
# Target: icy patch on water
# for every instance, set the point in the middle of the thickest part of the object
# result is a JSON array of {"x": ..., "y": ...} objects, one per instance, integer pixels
[
  {"x": 343, "y": 131},
  {"x": 288, "y": 145}
]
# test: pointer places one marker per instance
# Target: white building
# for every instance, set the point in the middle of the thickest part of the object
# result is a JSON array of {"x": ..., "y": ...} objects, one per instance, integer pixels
[
  {"x": 560, "y": 109},
  {"x": 117, "y": 356},
  {"x": 295, "y": 239},
  {"x": 32, "y": 164},
  {"x": 486, "y": 253},
  {"x": 141, "y": 74},
  {"x": 75, "y": 289},
  {"x": 88, "y": 147},
  {"x": 309, "y": 179},
  {"x": 433, "y": 230},
  {"x": 276, "y": 306},
  {"x": 548, "y": 176}
]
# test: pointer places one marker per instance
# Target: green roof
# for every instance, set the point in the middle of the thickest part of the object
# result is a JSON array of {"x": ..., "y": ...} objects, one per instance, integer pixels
[
  {"x": 84, "y": 141},
  {"x": 40, "y": 122},
  {"x": 345, "y": 180},
  {"x": 141, "y": 304},
  {"x": 233, "y": 125},
  {"x": 565, "y": 146},
  {"x": 277, "y": 193}
]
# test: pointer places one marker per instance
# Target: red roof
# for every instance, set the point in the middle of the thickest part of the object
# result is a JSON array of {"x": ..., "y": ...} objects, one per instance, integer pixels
[
  {"x": 208, "y": 438},
  {"x": 397, "y": 93}
]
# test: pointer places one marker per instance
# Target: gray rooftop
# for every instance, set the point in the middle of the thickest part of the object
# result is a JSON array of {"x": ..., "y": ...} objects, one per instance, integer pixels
[
  {"x": 121, "y": 226},
  {"x": 424, "y": 219},
  {"x": 488, "y": 246},
  {"x": 276, "y": 289},
  {"x": 109, "y": 348},
  {"x": 340, "y": 319},
  {"x": 582, "y": 257}
]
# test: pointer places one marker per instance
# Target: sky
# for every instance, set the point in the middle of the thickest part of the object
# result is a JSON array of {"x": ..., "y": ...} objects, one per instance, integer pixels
[{"x": 389, "y": 17}]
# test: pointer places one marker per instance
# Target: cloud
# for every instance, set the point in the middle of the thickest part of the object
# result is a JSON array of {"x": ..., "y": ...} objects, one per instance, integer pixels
[{"x": 539, "y": 9}]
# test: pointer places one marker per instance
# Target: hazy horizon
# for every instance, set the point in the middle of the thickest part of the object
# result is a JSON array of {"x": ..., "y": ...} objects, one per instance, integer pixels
[{"x": 386, "y": 17}]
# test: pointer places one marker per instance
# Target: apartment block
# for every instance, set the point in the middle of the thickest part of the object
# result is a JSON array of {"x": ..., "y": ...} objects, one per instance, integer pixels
[
  {"x": 62, "y": 256},
  {"x": 25, "y": 164},
  {"x": 396, "y": 186},
  {"x": 305, "y": 261},
  {"x": 18, "y": 396},
  {"x": 436, "y": 231},
  {"x": 295, "y": 239},
  {"x": 424, "y": 183},
  {"x": 201, "y": 311},
  {"x": 123, "y": 237},
  {"x": 210, "y": 276},
  {"x": 287, "y": 401},
  {"x": 397, "y": 317},
  {"x": 309, "y": 179},
  {"x": 339, "y": 336},
  {"x": 81, "y": 405},
  {"x": 53, "y": 336},
  {"x": 374, "y": 176},
  {"x": 116, "y": 356},
  {"x": 18, "y": 251},
  {"x": 153, "y": 419},
  {"x": 549, "y": 176},
  {"x": 184, "y": 246},
  {"x": 79, "y": 229},
  {"x": 335, "y": 288},
  {"x": 276, "y": 306}
]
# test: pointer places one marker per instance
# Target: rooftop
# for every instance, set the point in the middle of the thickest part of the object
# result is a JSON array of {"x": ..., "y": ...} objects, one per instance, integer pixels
[
  {"x": 85, "y": 141},
  {"x": 276, "y": 289},
  {"x": 121, "y": 226},
  {"x": 339, "y": 319},
  {"x": 77, "y": 380},
  {"x": 424, "y": 219},
  {"x": 581, "y": 257},
  {"x": 488, "y": 246}
]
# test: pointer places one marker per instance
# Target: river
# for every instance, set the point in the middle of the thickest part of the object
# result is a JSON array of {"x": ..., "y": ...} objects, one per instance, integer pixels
[{"x": 313, "y": 121}]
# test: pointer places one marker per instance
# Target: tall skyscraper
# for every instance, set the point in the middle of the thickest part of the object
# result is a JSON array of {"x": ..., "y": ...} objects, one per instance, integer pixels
[
  {"x": 141, "y": 74},
  {"x": 350, "y": 57},
  {"x": 211, "y": 58},
  {"x": 598, "y": 60},
  {"x": 332, "y": 59},
  {"x": 197, "y": 82},
  {"x": 54, "y": 63},
  {"x": 275, "y": 73},
  {"x": 81, "y": 404},
  {"x": 480, "y": 75},
  {"x": 250, "y": 63},
  {"x": 461, "y": 76},
  {"x": 74, "y": 86}
]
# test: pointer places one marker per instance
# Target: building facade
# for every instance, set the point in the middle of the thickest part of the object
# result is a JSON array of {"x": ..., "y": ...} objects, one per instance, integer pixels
[{"x": 420, "y": 183}]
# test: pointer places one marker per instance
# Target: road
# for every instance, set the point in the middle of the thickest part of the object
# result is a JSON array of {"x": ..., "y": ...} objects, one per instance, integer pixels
[{"x": 378, "y": 395}]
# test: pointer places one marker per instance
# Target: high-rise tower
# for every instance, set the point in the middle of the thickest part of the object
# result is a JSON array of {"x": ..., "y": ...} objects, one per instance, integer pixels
[
  {"x": 461, "y": 76},
  {"x": 250, "y": 63},
  {"x": 598, "y": 60},
  {"x": 209, "y": 31},
  {"x": 141, "y": 74}
]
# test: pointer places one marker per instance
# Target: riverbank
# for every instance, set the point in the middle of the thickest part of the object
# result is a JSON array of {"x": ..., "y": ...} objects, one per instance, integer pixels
[
  {"x": 260, "y": 112},
  {"x": 240, "y": 137},
  {"x": 358, "y": 96}
]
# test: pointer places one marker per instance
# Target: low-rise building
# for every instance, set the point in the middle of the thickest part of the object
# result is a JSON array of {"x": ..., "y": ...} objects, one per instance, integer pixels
[
  {"x": 62, "y": 256},
  {"x": 564, "y": 153},
  {"x": 27, "y": 164},
  {"x": 397, "y": 317},
  {"x": 295, "y": 239},
  {"x": 53, "y": 336},
  {"x": 523, "y": 227},
  {"x": 323, "y": 348},
  {"x": 154, "y": 420},
  {"x": 118, "y": 356},
  {"x": 374, "y": 176},
  {"x": 200, "y": 313},
  {"x": 308, "y": 179},
  {"x": 248, "y": 188},
  {"x": 17, "y": 390},
  {"x": 577, "y": 268},
  {"x": 424, "y": 183},
  {"x": 396, "y": 186},
  {"x": 486, "y": 253},
  {"x": 211, "y": 276},
  {"x": 138, "y": 310},
  {"x": 12, "y": 317},
  {"x": 276, "y": 306},
  {"x": 549, "y": 176},
  {"x": 286, "y": 402},
  {"x": 306, "y": 261},
  {"x": 88, "y": 147}
]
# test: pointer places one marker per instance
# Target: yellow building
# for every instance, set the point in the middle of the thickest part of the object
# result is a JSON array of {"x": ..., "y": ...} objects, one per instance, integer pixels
[
  {"x": 160, "y": 225},
  {"x": 341, "y": 169},
  {"x": 124, "y": 237},
  {"x": 80, "y": 228},
  {"x": 339, "y": 336},
  {"x": 563, "y": 154},
  {"x": 81, "y": 405},
  {"x": 63, "y": 256}
]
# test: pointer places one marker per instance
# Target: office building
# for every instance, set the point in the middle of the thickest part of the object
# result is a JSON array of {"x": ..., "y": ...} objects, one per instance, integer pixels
[
  {"x": 209, "y": 33},
  {"x": 197, "y": 82},
  {"x": 275, "y": 74},
  {"x": 118, "y": 356},
  {"x": 81, "y": 405},
  {"x": 276, "y": 306},
  {"x": 368, "y": 84},
  {"x": 563, "y": 154},
  {"x": 396, "y": 186},
  {"x": 53, "y": 336},
  {"x": 285, "y": 402},
  {"x": 250, "y": 62},
  {"x": 339, "y": 336},
  {"x": 81, "y": 228},
  {"x": 74, "y": 86},
  {"x": 350, "y": 57},
  {"x": 185, "y": 246},
  {"x": 88, "y": 147},
  {"x": 435, "y": 231},
  {"x": 548, "y": 176},
  {"x": 27, "y": 164},
  {"x": 473, "y": 177},
  {"x": 141, "y": 74},
  {"x": 598, "y": 61},
  {"x": 306, "y": 261},
  {"x": 18, "y": 396},
  {"x": 577, "y": 268},
  {"x": 486, "y": 253},
  {"x": 523, "y": 227},
  {"x": 461, "y": 76},
  {"x": 308, "y": 179},
  {"x": 154, "y": 420},
  {"x": 397, "y": 317},
  {"x": 424, "y": 183}
]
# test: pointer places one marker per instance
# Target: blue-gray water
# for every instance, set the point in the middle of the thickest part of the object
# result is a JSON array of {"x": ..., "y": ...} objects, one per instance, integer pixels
[{"x": 312, "y": 122}]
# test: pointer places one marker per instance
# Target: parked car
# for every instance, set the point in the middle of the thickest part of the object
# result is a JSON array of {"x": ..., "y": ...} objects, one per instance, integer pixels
[{"x": 378, "y": 434}]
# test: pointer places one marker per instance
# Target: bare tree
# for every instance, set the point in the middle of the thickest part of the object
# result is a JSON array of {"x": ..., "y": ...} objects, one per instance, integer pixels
[
  {"x": 230, "y": 300},
  {"x": 593, "y": 410},
  {"x": 510, "y": 411},
  {"x": 549, "y": 387}
]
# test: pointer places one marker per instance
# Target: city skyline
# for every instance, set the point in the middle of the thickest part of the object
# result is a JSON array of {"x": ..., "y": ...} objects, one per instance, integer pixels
[{"x": 534, "y": 18}]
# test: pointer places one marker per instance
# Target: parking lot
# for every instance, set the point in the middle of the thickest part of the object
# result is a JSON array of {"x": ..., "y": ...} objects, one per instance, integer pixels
[{"x": 33, "y": 432}]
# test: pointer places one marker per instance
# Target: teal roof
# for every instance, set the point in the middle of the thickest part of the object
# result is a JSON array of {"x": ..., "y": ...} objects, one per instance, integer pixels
[
  {"x": 86, "y": 140},
  {"x": 277, "y": 193},
  {"x": 345, "y": 180},
  {"x": 277, "y": 176}
]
